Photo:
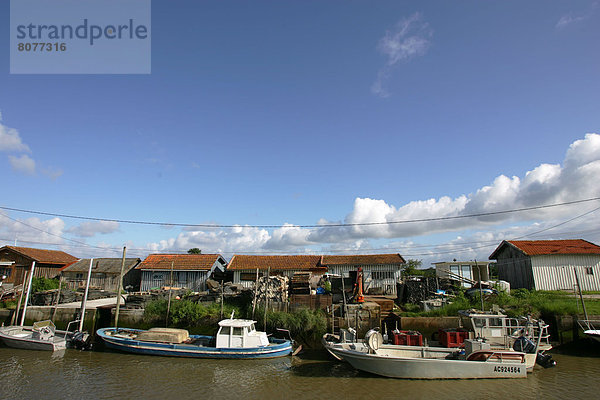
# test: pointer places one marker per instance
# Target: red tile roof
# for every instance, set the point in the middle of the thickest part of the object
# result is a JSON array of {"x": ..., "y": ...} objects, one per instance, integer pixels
[
  {"x": 544, "y": 247},
  {"x": 302, "y": 262},
  {"x": 186, "y": 262},
  {"x": 44, "y": 256},
  {"x": 364, "y": 259}
]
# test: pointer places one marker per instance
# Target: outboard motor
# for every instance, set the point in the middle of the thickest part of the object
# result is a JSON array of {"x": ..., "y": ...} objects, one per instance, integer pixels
[
  {"x": 81, "y": 340},
  {"x": 545, "y": 360},
  {"x": 524, "y": 345}
]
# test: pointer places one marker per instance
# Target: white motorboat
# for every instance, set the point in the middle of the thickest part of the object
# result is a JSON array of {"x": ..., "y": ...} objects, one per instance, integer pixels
[
  {"x": 478, "y": 360},
  {"x": 499, "y": 340},
  {"x": 591, "y": 328},
  {"x": 42, "y": 336}
]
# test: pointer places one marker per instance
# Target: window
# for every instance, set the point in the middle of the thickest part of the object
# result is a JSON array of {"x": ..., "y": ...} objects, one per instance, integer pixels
[
  {"x": 237, "y": 331},
  {"x": 466, "y": 271},
  {"x": 589, "y": 270},
  {"x": 479, "y": 322},
  {"x": 225, "y": 330},
  {"x": 5, "y": 271},
  {"x": 382, "y": 275}
]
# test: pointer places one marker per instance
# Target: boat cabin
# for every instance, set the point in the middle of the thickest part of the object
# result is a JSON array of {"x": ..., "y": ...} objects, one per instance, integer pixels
[
  {"x": 501, "y": 330},
  {"x": 240, "y": 333}
]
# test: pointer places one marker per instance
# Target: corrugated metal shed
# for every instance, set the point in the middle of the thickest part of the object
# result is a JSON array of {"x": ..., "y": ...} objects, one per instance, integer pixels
[{"x": 548, "y": 264}]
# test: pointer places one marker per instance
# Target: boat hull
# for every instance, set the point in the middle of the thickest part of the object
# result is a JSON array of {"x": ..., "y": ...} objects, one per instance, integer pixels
[
  {"x": 21, "y": 338},
  {"x": 277, "y": 348},
  {"x": 423, "y": 368}
]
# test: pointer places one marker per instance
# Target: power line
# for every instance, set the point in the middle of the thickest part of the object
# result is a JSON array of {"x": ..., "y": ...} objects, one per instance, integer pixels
[
  {"x": 137, "y": 222},
  {"x": 464, "y": 246}
]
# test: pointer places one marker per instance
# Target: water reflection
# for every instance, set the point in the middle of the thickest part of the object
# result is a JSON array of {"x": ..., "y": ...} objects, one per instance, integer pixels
[{"x": 107, "y": 375}]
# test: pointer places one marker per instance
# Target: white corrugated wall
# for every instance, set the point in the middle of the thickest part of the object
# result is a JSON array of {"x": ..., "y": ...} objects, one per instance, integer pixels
[
  {"x": 193, "y": 280},
  {"x": 387, "y": 284},
  {"x": 556, "y": 272}
]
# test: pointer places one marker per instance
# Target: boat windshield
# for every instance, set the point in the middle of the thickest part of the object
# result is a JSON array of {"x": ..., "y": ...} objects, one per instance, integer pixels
[
  {"x": 252, "y": 328},
  {"x": 238, "y": 331},
  {"x": 479, "y": 322}
]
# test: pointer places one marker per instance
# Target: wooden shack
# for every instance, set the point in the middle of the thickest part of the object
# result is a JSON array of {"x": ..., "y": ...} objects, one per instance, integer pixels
[
  {"x": 14, "y": 261},
  {"x": 105, "y": 274}
]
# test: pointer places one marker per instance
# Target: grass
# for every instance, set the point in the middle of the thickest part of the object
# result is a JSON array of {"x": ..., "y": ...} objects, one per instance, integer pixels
[
  {"x": 519, "y": 302},
  {"x": 306, "y": 326}
]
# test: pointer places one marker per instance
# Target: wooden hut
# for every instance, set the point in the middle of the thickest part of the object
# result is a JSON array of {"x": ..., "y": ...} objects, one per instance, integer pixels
[
  {"x": 190, "y": 271},
  {"x": 105, "y": 274},
  {"x": 14, "y": 261}
]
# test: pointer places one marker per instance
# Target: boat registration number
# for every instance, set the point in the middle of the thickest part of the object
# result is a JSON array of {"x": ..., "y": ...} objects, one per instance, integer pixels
[{"x": 513, "y": 370}]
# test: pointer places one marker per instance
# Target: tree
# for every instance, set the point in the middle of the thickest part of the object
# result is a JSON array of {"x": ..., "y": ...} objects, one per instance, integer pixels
[
  {"x": 411, "y": 267},
  {"x": 194, "y": 250}
]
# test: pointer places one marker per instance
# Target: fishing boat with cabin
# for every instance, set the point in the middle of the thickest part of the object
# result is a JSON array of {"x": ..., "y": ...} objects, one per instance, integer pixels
[{"x": 235, "y": 338}]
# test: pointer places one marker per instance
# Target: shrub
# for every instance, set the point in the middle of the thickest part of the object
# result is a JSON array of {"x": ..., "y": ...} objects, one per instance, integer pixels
[{"x": 42, "y": 284}]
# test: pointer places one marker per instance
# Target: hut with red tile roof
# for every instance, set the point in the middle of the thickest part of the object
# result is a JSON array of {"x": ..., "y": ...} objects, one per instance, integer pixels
[
  {"x": 190, "y": 271},
  {"x": 14, "y": 261},
  {"x": 548, "y": 264}
]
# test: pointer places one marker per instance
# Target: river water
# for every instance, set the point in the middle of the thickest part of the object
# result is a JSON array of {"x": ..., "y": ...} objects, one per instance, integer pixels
[{"x": 73, "y": 374}]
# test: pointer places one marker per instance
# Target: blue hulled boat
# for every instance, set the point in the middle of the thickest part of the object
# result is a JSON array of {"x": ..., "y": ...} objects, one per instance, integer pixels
[{"x": 236, "y": 338}]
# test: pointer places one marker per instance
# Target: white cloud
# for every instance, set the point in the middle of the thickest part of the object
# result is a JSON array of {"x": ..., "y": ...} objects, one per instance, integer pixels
[
  {"x": 31, "y": 230},
  {"x": 10, "y": 140},
  {"x": 475, "y": 238},
  {"x": 568, "y": 19},
  {"x": 545, "y": 184},
  {"x": 24, "y": 164},
  {"x": 91, "y": 228},
  {"x": 238, "y": 239},
  {"x": 52, "y": 173},
  {"x": 575, "y": 18},
  {"x": 409, "y": 38}
]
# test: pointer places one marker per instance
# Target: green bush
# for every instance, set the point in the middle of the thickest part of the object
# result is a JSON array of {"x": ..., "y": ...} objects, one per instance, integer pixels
[
  {"x": 42, "y": 284},
  {"x": 305, "y": 325},
  {"x": 186, "y": 314}
]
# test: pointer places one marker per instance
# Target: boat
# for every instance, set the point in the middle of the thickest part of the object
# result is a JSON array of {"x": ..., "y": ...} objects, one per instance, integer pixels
[
  {"x": 499, "y": 337},
  {"x": 42, "y": 336},
  {"x": 478, "y": 360},
  {"x": 235, "y": 338},
  {"x": 591, "y": 328}
]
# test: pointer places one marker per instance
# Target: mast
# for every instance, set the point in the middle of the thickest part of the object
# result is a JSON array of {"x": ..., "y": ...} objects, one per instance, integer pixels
[
  {"x": 84, "y": 300},
  {"x": 119, "y": 287},
  {"x": 27, "y": 295}
]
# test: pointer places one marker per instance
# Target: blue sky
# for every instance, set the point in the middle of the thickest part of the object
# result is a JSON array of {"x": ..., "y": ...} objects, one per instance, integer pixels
[{"x": 301, "y": 112}]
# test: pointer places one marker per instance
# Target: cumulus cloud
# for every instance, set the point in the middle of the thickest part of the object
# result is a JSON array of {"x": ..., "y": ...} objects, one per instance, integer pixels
[
  {"x": 24, "y": 164},
  {"x": 238, "y": 239},
  {"x": 543, "y": 185},
  {"x": 91, "y": 228},
  {"x": 411, "y": 37},
  {"x": 32, "y": 230},
  {"x": 10, "y": 140},
  {"x": 572, "y": 18}
]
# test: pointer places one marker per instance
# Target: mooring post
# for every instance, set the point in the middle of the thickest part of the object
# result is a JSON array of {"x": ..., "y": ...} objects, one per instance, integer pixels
[{"x": 119, "y": 288}]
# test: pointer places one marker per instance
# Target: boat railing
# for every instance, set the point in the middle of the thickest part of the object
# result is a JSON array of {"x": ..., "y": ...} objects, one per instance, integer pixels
[
  {"x": 536, "y": 331},
  {"x": 589, "y": 324}
]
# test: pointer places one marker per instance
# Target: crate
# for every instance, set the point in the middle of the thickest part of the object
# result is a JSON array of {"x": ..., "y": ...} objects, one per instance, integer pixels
[
  {"x": 407, "y": 338},
  {"x": 453, "y": 337}
]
